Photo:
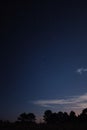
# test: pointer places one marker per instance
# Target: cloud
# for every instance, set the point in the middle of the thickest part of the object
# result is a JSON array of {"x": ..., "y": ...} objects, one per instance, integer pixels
[
  {"x": 81, "y": 70},
  {"x": 77, "y": 102}
]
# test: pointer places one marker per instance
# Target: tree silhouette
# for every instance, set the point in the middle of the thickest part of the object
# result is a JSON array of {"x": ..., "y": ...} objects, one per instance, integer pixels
[
  {"x": 65, "y": 116},
  {"x": 47, "y": 116},
  {"x": 30, "y": 117},
  {"x": 83, "y": 116},
  {"x": 72, "y": 116},
  {"x": 58, "y": 121},
  {"x": 22, "y": 117},
  {"x": 84, "y": 111},
  {"x": 60, "y": 116},
  {"x": 54, "y": 118}
]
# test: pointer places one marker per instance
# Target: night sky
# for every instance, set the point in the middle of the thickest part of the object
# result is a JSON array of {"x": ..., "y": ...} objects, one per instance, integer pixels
[{"x": 43, "y": 57}]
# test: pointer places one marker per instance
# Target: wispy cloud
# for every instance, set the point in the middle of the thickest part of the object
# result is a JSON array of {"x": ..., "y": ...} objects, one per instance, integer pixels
[
  {"x": 81, "y": 70},
  {"x": 72, "y": 102}
]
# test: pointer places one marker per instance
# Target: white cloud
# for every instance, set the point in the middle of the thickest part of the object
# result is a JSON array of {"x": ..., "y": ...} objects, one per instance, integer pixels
[
  {"x": 77, "y": 102},
  {"x": 81, "y": 70}
]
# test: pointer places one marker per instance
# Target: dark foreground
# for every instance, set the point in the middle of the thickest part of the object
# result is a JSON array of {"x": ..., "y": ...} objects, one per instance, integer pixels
[{"x": 61, "y": 126}]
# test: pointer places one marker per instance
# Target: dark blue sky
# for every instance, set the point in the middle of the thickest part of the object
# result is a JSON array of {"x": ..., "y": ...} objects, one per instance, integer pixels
[{"x": 43, "y": 57}]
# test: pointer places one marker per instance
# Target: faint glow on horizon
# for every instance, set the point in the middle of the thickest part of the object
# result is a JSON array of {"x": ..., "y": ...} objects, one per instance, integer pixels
[{"x": 75, "y": 102}]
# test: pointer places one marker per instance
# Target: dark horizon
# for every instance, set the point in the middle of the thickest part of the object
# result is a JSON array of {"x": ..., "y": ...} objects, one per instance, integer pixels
[{"x": 32, "y": 118}]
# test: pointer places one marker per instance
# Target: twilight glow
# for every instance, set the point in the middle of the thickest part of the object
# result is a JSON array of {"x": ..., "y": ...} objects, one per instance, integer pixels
[{"x": 73, "y": 102}]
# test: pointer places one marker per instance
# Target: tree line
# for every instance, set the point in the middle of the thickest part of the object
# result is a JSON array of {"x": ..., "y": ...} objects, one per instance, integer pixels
[{"x": 53, "y": 118}]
